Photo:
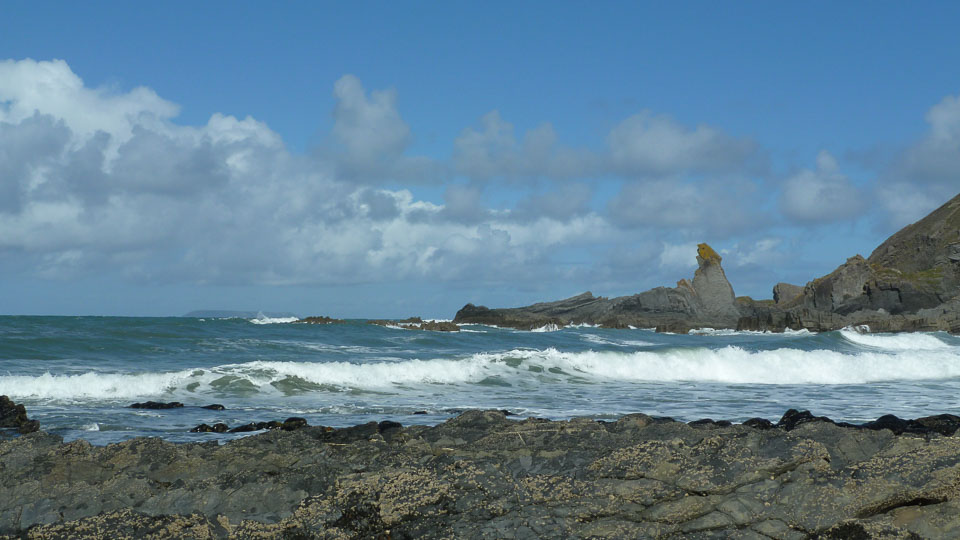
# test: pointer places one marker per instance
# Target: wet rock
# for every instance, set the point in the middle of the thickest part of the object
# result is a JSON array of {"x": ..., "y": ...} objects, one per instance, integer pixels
[
  {"x": 322, "y": 319},
  {"x": 257, "y": 426},
  {"x": 480, "y": 475},
  {"x": 794, "y": 418},
  {"x": 293, "y": 423},
  {"x": 157, "y": 405},
  {"x": 214, "y": 407},
  {"x": 709, "y": 422},
  {"x": 416, "y": 323},
  {"x": 759, "y": 423},
  {"x": 216, "y": 428},
  {"x": 13, "y": 415}
]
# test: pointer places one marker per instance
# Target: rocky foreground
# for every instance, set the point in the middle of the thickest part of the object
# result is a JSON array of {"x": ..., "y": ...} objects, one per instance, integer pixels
[{"x": 482, "y": 475}]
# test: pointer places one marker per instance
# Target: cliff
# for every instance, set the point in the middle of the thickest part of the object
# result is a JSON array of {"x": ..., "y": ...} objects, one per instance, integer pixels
[{"x": 911, "y": 282}]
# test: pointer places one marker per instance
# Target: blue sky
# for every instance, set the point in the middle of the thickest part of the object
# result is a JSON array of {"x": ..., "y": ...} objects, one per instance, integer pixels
[{"x": 372, "y": 159}]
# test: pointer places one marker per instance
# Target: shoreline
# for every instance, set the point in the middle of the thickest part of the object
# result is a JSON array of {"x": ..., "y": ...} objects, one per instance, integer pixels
[{"x": 482, "y": 475}]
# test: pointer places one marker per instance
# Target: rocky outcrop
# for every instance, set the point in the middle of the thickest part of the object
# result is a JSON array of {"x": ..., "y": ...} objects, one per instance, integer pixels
[
  {"x": 416, "y": 323},
  {"x": 322, "y": 319},
  {"x": 911, "y": 282},
  {"x": 481, "y": 475},
  {"x": 707, "y": 300},
  {"x": 13, "y": 415}
]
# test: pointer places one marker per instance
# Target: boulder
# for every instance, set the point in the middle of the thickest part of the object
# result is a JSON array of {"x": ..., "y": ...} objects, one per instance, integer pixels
[{"x": 13, "y": 415}]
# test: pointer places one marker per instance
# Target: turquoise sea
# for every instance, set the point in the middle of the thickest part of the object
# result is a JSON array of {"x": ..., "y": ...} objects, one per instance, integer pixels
[{"x": 78, "y": 375}]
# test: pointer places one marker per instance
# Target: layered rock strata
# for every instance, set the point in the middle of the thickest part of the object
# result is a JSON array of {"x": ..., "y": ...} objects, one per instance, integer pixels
[{"x": 481, "y": 475}]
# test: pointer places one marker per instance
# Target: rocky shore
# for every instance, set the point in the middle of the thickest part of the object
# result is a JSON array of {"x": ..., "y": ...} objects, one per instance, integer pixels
[
  {"x": 482, "y": 475},
  {"x": 911, "y": 282}
]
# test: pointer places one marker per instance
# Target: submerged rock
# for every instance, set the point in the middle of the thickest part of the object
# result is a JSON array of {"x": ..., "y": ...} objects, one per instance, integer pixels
[
  {"x": 157, "y": 405},
  {"x": 416, "y": 323}
]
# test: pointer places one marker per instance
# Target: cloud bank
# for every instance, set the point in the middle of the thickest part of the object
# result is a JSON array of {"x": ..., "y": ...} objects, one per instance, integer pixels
[{"x": 95, "y": 181}]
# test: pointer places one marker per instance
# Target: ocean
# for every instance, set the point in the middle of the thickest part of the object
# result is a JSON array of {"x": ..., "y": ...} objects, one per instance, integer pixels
[{"x": 79, "y": 375}]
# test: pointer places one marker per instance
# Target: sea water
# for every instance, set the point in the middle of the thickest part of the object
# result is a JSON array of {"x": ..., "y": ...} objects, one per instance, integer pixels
[{"x": 79, "y": 375}]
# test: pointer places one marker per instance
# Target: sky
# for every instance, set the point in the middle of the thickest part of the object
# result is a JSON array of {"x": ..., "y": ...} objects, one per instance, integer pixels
[{"x": 372, "y": 159}]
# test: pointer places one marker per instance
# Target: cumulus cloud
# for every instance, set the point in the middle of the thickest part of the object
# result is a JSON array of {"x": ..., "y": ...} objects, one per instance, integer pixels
[
  {"x": 369, "y": 139},
  {"x": 718, "y": 206},
  {"x": 93, "y": 180},
  {"x": 493, "y": 151},
  {"x": 643, "y": 145},
  {"x": 823, "y": 195},
  {"x": 655, "y": 145},
  {"x": 925, "y": 174}
]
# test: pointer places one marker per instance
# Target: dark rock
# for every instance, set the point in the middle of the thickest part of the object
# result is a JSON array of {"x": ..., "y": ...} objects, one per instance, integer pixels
[
  {"x": 216, "y": 428},
  {"x": 420, "y": 412},
  {"x": 293, "y": 423},
  {"x": 257, "y": 426},
  {"x": 891, "y": 422},
  {"x": 759, "y": 423},
  {"x": 13, "y": 415},
  {"x": 387, "y": 425},
  {"x": 157, "y": 405},
  {"x": 416, "y": 323},
  {"x": 214, "y": 407},
  {"x": 709, "y": 422},
  {"x": 944, "y": 424},
  {"x": 320, "y": 320},
  {"x": 794, "y": 418}
]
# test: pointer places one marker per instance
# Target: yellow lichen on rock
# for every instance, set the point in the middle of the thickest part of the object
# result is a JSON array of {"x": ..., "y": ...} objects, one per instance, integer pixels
[{"x": 708, "y": 254}]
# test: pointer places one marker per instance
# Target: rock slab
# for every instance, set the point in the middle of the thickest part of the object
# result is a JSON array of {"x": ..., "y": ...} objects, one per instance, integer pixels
[{"x": 481, "y": 475}]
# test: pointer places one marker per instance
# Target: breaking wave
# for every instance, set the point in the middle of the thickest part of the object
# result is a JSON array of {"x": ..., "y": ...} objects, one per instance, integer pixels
[
  {"x": 273, "y": 320},
  {"x": 894, "y": 342},
  {"x": 910, "y": 357}
]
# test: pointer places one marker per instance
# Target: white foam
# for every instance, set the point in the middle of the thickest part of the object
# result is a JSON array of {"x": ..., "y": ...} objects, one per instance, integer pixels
[
  {"x": 274, "y": 320},
  {"x": 91, "y": 427},
  {"x": 723, "y": 365},
  {"x": 600, "y": 340},
  {"x": 894, "y": 342},
  {"x": 547, "y": 328},
  {"x": 92, "y": 385},
  {"x": 729, "y": 332}
]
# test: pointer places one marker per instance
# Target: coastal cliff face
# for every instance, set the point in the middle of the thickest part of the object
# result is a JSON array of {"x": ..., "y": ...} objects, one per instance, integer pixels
[{"x": 911, "y": 282}]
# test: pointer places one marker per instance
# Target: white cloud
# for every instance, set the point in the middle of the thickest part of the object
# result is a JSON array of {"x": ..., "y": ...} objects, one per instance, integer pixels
[
  {"x": 823, "y": 195},
  {"x": 128, "y": 191},
  {"x": 716, "y": 206},
  {"x": 676, "y": 257},
  {"x": 492, "y": 151},
  {"x": 655, "y": 145},
  {"x": 926, "y": 174}
]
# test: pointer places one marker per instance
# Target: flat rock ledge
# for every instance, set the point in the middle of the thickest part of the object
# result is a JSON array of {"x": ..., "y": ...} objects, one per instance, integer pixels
[{"x": 481, "y": 475}]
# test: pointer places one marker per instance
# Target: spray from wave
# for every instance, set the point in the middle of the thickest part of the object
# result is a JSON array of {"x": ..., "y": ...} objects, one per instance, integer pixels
[{"x": 897, "y": 358}]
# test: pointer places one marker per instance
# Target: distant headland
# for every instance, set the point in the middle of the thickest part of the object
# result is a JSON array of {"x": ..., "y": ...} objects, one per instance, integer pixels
[{"x": 911, "y": 282}]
